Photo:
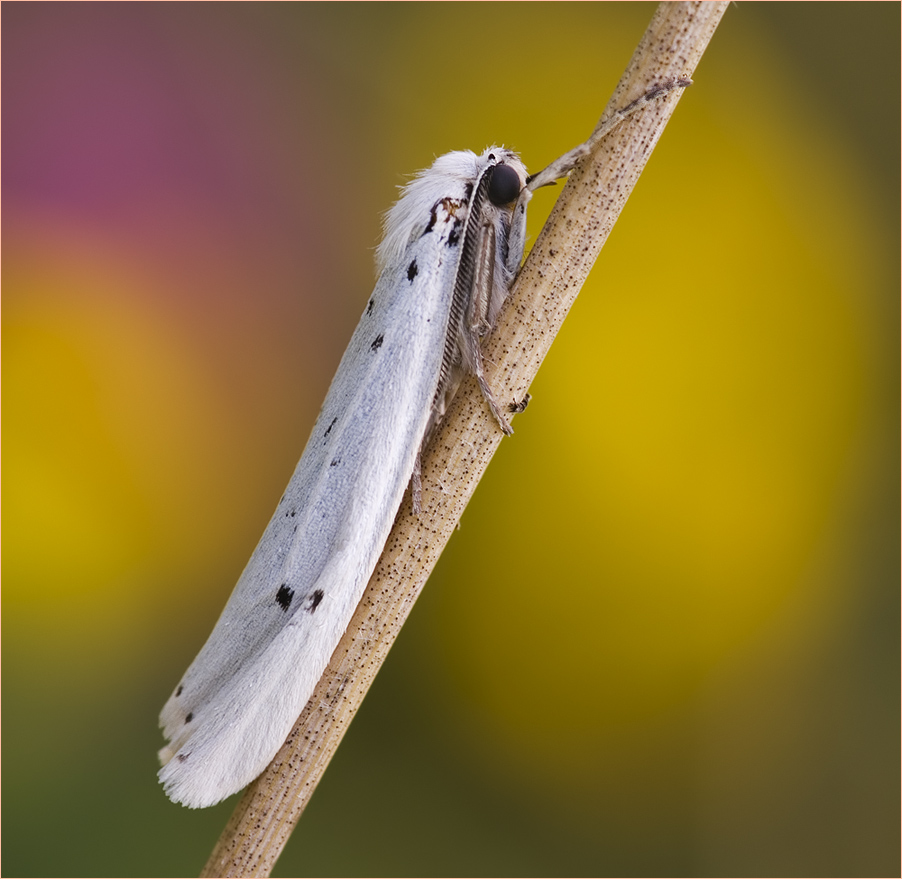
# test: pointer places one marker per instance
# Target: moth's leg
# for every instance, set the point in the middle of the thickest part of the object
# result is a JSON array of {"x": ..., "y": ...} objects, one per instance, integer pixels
[
  {"x": 519, "y": 406},
  {"x": 416, "y": 484},
  {"x": 477, "y": 317},
  {"x": 516, "y": 240},
  {"x": 479, "y": 372}
]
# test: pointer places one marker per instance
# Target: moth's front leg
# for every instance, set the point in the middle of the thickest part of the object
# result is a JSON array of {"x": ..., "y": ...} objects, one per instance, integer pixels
[
  {"x": 516, "y": 240},
  {"x": 476, "y": 323}
]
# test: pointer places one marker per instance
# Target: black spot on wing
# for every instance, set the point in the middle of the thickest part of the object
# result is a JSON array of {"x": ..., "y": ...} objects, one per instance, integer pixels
[
  {"x": 178, "y": 692},
  {"x": 335, "y": 462},
  {"x": 329, "y": 428},
  {"x": 284, "y": 596},
  {"x": 433, "y": 219},
  {"x": 454, "y": 235},
  {"x": 182, "y": 758},
  {"x": 412, "y": 270},
  {"x": 377, "y": 342},
  {"x": 189, "y": 717},
  {"x": 370, "y": 304},
  {"x": 315, "y": 599}
]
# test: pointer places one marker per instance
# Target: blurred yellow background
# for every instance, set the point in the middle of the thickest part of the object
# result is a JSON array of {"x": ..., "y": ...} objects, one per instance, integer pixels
[{"x": 665, "y": 640}]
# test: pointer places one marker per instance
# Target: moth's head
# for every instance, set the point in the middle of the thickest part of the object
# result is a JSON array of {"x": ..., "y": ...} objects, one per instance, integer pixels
[
  {"x": 507, "y": 175},
  {"x": 454, "y": 175}
]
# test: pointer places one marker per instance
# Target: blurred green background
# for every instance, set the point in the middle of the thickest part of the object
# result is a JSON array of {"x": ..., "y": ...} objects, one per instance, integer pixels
[{"x": 665, "y": 640}]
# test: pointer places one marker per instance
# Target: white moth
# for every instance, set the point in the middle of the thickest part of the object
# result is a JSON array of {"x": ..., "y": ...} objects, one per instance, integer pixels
[{"x": 451, "y": 248}]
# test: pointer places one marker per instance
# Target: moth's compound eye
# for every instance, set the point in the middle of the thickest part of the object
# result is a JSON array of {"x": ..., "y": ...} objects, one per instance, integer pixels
[{"x": 504, "y": 185}]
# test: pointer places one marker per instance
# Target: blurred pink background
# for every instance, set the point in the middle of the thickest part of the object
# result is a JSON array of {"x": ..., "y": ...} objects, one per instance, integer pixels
[{"x": 665, "y": 640}]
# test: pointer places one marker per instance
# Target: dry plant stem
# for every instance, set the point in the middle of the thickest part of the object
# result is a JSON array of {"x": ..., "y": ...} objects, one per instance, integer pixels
[{"x": 458, "y": 456}]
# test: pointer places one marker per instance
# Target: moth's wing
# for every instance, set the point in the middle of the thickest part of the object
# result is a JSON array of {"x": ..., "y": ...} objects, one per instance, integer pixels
[
  {"x": 238, "y": 726},
  {"x": 237, "y": 702}
]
